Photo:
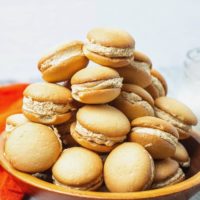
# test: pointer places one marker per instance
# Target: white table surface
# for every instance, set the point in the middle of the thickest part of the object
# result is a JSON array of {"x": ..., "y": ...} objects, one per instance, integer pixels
[{"x": 164, "y": 30}]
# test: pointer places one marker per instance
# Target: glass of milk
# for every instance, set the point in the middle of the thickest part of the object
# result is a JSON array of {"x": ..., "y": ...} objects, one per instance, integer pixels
[{"x": 190, "y": 90}]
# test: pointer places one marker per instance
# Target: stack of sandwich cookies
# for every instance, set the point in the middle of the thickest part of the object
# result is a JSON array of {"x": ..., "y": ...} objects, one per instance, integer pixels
[
  {"x": 109, "y": 47},
  {"x": 135, "y": 102},
  {"x": 176, "y": 113},
  {"x": 61, "y": 139},
  {"x": 138, "y": 71}
]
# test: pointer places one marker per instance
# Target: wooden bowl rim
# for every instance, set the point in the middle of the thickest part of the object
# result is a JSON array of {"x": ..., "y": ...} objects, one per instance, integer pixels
[{"x": 40, "y": 184}]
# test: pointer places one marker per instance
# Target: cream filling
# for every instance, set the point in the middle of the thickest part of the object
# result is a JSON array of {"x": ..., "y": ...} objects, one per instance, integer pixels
[
  {"x": 112, "y": 52},
  {"x": 158, "y": 85},
  {"x": 172, "y": 180},
  {"x": 169, "y": 118},
  {"x": 141, "y": 66},
  {"x": 147, "y": 186},
  {"x": 97, "y": 85},
  {"x": 134, "y": 98},
  {"x": 97, "y": 137},
  {"x": 9, "y": 128},
  {"x": 89, "y": 186},
  {"x": 131, "y": 97},
  {"x": 55, "y": 130},
  {"x": 60, "y": 57},
  {"x": 162, "y": 134},
  {"x": 185, "y": 164},
  {"x": 44, "y": 108}
]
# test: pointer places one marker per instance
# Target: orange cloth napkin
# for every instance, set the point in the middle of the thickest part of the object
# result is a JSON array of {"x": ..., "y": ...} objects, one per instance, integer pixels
[{"x": 10, "y": 103}]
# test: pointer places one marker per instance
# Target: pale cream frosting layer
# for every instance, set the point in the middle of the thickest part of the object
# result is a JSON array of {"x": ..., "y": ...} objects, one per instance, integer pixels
[
  {"x": 88, "y": 186},
  {"x": 135, "y": 99},
  {"x": 169, "y": 118},
  {"x": 184, "y": 164},
  {"x": 158, "y": 85},
  {"x": 172, "y": 180},
  {"x": 55, "y": 130},
  {"x": 109, "y": 51},
  {"x": 147, "y": 186},
  {"x": 44, "y": 108},
  {"x": 97, "y": 85},
  {"x": 97, "y": 137},
  {"x": 141, "y": 66},
  {"x": 162, "y": 134},
  {"x": 60, "y": 57}
]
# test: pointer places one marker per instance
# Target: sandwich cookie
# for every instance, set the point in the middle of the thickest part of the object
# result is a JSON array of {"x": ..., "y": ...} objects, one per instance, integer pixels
[
  {"x": 14, "y": 121},
  {"x": 158, "y": 86},
  {"x": 176, "y": 113},
  {"x": 109, "y": 47},
  {"x": 47, "y": 103},
  {"x": 32, "y": 147},
  {"x": 64, "y": 133},
  {"x": 100, "y": 127},
  {"x": 96, "y": 85},
  {"x": 181, "y": 156},
  {"x": 61, "y": 64},
  {"x": 167, "y": 172},
  {"x": 128, "y": 168},
  {"x": 156, "y": 135},
  {"x": 134, "y": 102},
  {"x": 138, "y": 71},
  {"x": 78, "y": 168}
]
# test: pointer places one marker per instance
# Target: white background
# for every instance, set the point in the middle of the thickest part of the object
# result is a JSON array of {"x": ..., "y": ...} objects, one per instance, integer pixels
[{"x": 164, "y": 30}]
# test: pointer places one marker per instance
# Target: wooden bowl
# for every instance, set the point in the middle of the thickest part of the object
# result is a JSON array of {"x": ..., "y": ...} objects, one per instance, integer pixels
[{"x": 42, "y": 190}]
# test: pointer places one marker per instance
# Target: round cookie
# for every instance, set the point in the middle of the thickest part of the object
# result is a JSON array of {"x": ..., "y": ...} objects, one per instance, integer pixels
[
  {"x": 32, "y": 147},
  {"x": 100, "y": 127},
  {"x": 156, "y": 135},
  {"x": 61, "y": 64},
  {"x": 96, "y": 85},
  {"x": 181, "y": 156},
  {"x": 128, "y": 168},
  {"x": 158, "y": 86},
  {"x": 78, "y": 168},
  {"x": 64, "y": 133},
  {"x": 14, "y": 121},
  {"x": 167, "y": 172},
  {"x": 134, "y": 102},
  {"x": 109, "y": 47},
  {"x": 176, "y": 113},
  {"x": 47, "y": 103},
  {"x": 138, "y": 71}
]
